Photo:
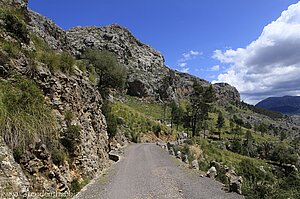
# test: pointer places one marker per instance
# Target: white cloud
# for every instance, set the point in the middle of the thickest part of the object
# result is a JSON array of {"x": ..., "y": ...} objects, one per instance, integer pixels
[
  {"x": 192, "y": 54},
  {"x": 182, "y": 64},
  {"x": 185, "y": 70},
  {"x": 270, "y": 65},
  {"x": 215, "y": 68}
]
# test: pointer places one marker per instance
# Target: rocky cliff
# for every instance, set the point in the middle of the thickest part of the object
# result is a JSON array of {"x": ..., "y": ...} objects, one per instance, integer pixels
[
  {"x": 64, "y": 93},
  {"x": 146, "y": 67}
]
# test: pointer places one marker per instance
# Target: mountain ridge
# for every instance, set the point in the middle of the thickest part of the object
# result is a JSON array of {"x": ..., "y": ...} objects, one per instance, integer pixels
[{"x": 286, "y": 104}]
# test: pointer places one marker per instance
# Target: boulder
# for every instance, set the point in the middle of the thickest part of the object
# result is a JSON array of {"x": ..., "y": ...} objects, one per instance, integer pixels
[
  {"x": 185, "y": 159},
  {"x": 235, "y": 181},
  {"x": 195, "y": 164},
  {"x": 178, "y": 155},
  {"x": 172, "y": 152},
  {"x": 212, "y": 172}
]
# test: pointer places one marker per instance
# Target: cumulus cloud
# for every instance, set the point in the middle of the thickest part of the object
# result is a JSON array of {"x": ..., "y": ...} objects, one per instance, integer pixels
[
  {"x": 215, "y": 68},
  {"x": 185, "y": 70},
  {"x": 192, "y": 54},
  {"x": 270, "y": 65},
  {"x": 182, "y": 64}
]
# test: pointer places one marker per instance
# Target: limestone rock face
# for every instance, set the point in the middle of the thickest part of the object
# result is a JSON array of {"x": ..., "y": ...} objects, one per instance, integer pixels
[
  {"x": 53, "y": 35},
  {"x": 63, "y": 93},
  {"x": 75, "y": 94},
  {"x": 226, "y": 93},
  {"x": 15, "y": 3},
  {"x": 145, "y": 65},
  {"x": 146, "y": 69},
  {"x": 11, "y": 174}
]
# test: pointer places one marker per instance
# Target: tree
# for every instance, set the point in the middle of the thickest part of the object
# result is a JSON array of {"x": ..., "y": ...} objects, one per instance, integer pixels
[
  {"x": 249, "y": 140},
  {"x": 262, "y": 128},
  {"x": 111, "y": 120},
  {"x": 284, "y": 154},
  {"x": 220, "y": 123},
  {"x": 164, "y": 95},
  {"x": 176, "y": 114},
  {"x": 200, "y": 104},
  {"x": 237, "y": 131},
  {"x": 110, "y": 73},
  {"x": 231, "y": 124}
]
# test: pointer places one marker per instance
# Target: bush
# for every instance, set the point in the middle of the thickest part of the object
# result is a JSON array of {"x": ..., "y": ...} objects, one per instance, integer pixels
[
  {"x": 3, "y": 59},
  {"x": 156, "y": 129},
  {"x": 92, "y": 75},
  {"x": 111, "y": 73},
  {"x": 111, "y": 120},
  {"x": 24, "y": 118},
  {"x": 14, "y": 23},
  {"x": 58, "y": 156},
  {"x": 54, "y": 60},
  {"x": 75, "y": 186},
  {"x": 39, "y": 43},
  {"x": 11, "y": 48},
  {"x": 51, "y": 59},
  {"x": 67, "y": 63},
  {"x": 81, "y": 65},
  {"x": 17, "y": 153},
  {"x": 71, "y": 138},
  {"x": 222, "y": 176},
  {"x": 68, "y": 117},
  {"x": 284, "y": 155}
]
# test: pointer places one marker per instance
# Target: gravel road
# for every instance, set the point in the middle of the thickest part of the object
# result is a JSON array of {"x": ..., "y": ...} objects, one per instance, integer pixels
[{"x": 148, "y": 172}]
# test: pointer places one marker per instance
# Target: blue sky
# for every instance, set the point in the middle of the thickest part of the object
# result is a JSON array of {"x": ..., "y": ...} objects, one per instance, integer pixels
[{"x": 195, "y": 36}]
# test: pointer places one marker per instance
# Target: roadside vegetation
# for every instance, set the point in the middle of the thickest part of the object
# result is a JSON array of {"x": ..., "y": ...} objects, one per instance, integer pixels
[{"x": 24, "y": 117}]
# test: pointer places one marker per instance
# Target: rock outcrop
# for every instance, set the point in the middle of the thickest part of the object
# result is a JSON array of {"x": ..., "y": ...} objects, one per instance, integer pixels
[
  {"x": 12, "y": 177},
  {"x": 147, "y": 73},
  {"x": 63, "y": 93},
  {"x": 145, "y": 65},
  {"x": 53, "y": 35}
]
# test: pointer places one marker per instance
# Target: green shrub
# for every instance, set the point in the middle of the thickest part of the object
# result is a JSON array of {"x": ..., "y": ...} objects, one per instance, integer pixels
[
  {"x": 222, "y": 176},
  {"x": 92, "y": 75},
  {"x": 71, "y": 138},
  {"x": 39, "y": 43},
  {"x": 67, "y": 62},
  {"x": 14, "y": 23},
  {"x": 17, "y": 153},
  {"x": 110, "y": 72},
  {"x": 156, "y": 129},
  {"x": 3, "y": 58},
  {"x": 81, "y": 65},
  {"x": 51, "y": 59},
  {"x": 69, "y": 117},
  {"x": 284, "y": 154},
  {"x": 58, "y": 156},
  {"x": 76, "y": 186},
  {"x": 24, "y": 118},
  {"x": 11, "y": 48},
  {"x": 111, "y": 120},
  {"x": 54, "y": 60}
]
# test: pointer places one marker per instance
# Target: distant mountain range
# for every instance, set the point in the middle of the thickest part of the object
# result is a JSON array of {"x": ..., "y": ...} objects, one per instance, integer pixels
[{"x": 287, "y": 104}]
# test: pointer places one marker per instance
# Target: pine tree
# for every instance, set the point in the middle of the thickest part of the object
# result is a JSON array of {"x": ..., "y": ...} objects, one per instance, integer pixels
[
  {"x": 220, "y": 123},
  {"x": 200, "y": 102}
]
